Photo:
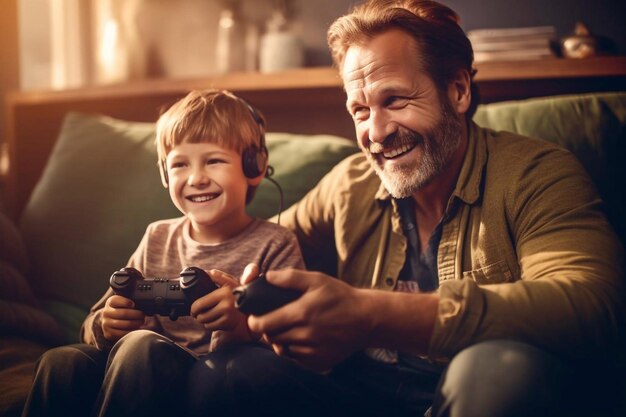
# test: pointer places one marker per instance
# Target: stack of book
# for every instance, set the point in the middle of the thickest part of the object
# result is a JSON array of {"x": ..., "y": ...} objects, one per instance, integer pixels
[{"x": 513, "y": 43}]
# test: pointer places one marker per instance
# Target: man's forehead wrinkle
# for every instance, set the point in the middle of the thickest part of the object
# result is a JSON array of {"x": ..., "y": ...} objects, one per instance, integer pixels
[
  {"x": 368, "y": 76},
  {"x": 354, "y": 78}
]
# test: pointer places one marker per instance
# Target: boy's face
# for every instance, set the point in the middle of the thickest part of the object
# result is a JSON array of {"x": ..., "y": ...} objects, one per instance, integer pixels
[{"x": 207, "y": 184}]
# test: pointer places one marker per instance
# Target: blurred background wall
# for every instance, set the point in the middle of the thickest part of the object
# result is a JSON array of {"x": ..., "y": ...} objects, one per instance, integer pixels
[
  {"x": 63, "y": 42},
  {"x": 9, "y": 67}
]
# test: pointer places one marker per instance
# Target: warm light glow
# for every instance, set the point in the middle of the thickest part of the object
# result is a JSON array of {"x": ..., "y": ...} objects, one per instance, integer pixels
[
  {"x": 227, "y": 22},
  {"x": 112, "y": 53},
  {"x": 4, "y": 160},
  {"x": 110, "y": 39}
]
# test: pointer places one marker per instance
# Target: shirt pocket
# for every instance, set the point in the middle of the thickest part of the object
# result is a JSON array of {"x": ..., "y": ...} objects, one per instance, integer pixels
[{"x": 495, "y": 273}]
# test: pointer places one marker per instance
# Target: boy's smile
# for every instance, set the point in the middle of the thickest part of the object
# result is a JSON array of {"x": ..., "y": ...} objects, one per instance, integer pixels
[
  {"x": 202, "y": 198},
  {"x": 207, "y": 184}
]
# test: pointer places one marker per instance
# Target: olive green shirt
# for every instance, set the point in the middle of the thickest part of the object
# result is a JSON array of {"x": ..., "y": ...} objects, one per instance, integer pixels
[{"x": 526, "y": 252}]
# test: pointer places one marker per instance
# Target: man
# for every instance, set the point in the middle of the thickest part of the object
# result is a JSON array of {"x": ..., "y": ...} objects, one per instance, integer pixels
[{"x": 476, "y": 268}]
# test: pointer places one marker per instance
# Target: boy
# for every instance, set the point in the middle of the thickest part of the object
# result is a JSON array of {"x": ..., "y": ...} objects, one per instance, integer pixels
[{"x": 212, "y": 156}]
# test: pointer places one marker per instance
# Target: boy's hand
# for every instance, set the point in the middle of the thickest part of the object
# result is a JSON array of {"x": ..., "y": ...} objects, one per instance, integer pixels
[
  {"x": 120, "y": 318},
  {"x": 217, "y": 311}
]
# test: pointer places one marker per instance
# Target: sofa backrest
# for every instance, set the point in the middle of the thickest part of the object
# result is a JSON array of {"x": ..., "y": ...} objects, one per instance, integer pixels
[{"x": 101, "y": 187}]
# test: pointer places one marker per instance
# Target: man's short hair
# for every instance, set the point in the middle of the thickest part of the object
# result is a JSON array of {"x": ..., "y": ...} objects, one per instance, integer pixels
[{"x": 444, "y": 47}]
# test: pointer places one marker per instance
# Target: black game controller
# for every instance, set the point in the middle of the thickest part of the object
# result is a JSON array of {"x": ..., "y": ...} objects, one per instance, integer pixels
[
  {"x": 163, "y": 296},
  {"x": 259, "y": 297}
]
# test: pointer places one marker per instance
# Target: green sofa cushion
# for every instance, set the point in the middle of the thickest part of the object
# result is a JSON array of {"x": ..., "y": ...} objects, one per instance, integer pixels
[
  {"x": 591, "y": 126},
  {"x": 101, "y": 188},
  {"x": 299, "y": 162}
]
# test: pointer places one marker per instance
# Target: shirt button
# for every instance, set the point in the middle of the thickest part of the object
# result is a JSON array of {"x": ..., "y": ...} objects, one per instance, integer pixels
[{"x": 389, "y": 281}]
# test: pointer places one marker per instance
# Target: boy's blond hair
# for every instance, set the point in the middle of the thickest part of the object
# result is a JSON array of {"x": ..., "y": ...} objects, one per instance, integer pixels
[{"x": 210, "y": 116}]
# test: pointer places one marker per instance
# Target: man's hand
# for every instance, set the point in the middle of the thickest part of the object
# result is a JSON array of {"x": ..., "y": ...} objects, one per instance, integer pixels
[
  {"x": 120, "y": 318},
  {"x": 329, "y": 322}
]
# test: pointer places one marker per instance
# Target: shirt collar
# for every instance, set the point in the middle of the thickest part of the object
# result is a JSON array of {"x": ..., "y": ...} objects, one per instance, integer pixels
[{"x": 468, "y": 184}]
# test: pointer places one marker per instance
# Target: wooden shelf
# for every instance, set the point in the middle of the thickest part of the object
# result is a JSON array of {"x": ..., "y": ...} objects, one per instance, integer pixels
[
  {"x": 551, "y": 68},
  {"x": 297, "y": 79},
  {"x": 513, "y": 80},
  {"x": 326, "y": 78}
]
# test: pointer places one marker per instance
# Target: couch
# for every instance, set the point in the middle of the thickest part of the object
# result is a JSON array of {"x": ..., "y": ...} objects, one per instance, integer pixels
[{"x": 100, "y": 188}]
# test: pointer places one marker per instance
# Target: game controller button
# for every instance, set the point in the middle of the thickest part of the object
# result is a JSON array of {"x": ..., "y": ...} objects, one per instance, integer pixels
[
  {"x": 240, "y": 295},
  {"x": 121, "y": 278},
  {"x": 187, "y": 280},
  {"x": 173, "y": 315}
]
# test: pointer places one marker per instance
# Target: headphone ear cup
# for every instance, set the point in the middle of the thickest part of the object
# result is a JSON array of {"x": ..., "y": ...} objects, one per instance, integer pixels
[
  {"x": 261, "y": 160},
  {"x": 253, "y": 162}
]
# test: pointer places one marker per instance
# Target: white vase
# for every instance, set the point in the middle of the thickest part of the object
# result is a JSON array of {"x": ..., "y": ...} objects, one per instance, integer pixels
[
  {"x": 230, "y": 50},
  {"x": 281, "y": 48}
]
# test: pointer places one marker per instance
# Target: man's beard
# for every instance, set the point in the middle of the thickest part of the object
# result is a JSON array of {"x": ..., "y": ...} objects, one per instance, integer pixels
[{"x": 437, "y": 148}]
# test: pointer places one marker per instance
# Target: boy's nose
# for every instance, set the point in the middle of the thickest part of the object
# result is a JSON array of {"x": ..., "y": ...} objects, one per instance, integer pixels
[{"x": 198, "y": 177}]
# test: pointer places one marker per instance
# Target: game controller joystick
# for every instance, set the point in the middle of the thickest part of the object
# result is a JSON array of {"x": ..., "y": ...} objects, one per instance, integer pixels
[
  {"x": 195, "y": 283},
  {"x": 163, "y": 296},
  {"x": 259, "y": 297}
]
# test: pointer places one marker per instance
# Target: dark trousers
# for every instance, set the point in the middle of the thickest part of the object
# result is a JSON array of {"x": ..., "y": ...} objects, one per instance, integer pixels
[
  {"x": 146, "y": 374},
  {"x": 497, "y": 378}
]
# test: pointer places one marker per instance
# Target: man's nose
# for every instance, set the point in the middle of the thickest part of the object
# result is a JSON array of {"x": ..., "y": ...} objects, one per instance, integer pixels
[{"x": 380, "y": 126}]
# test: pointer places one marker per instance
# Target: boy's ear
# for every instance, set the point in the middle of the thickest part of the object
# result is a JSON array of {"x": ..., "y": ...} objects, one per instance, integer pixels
[
  {"x": 163, "y": 173},
  {"x": 459, "y": 91}
]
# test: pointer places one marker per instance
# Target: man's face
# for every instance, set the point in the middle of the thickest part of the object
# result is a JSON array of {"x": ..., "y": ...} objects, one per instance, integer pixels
[{"x": 406, "y": 127}]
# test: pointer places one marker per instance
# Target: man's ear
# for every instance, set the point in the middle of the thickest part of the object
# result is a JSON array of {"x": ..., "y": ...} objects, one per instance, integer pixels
[{"x": 459, "y": 91}]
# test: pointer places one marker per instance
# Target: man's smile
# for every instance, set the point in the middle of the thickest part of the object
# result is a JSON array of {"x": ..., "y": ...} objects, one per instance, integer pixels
[
  {"x": 398, "y": 146},
  {"x": 399, "y": 151}
]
